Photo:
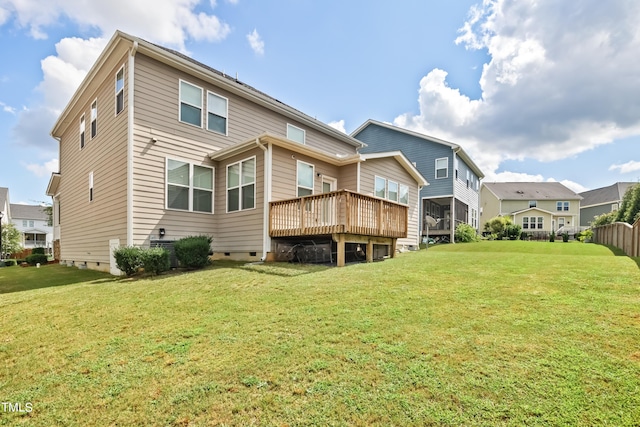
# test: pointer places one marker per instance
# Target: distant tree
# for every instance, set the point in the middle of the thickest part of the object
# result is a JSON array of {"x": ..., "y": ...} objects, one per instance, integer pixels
[
  {"x": 604, "y": 219},
  {"x": 498, "y": 226},
  {"x": 629, "y": 210},
  {"x": 10, "y": 239},
  {"x": 47, "y": 209}
]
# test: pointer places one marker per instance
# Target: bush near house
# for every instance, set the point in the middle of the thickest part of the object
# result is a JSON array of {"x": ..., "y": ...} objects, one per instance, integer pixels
[
  {"x": 34, "y": 259},
  {"x": 37, "y": 251},
  {"x": 466, "y": 233},
  {"x": 130, "y": 259},
  {"x": 193, "y": 251}
]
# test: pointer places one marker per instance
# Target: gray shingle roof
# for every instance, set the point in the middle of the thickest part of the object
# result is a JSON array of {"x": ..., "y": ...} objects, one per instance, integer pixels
[
  {"x": 600, "y": 196},
  {"x": 28, "y": 212},
  {"x": 531, "y": 191}
]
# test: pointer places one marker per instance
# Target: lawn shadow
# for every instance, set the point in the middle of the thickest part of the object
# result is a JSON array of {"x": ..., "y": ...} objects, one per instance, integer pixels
[
  {"x": 18, "y": 279},
  {"x": 283, "y": 269},
  {"x": 616, "y": 251}
]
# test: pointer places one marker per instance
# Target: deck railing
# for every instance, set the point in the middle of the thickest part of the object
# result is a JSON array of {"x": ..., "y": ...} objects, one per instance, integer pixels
[{"x": 337, "y": 212}]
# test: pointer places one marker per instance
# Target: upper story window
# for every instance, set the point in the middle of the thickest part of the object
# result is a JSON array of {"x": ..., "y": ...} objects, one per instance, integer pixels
[
  {"x": 305, "y": 179},
  {"x": 190, "y": 104},
  {"x": 404, "y": 194},
  {"x": 241, "y": 185},
  {"x": 90, "y": 186},
  {"x": 82, "y": 131},
  {"x": 94, "y": 119},
  {"x": 381, "y": 187},
  {"x": 189, "y": 186},
  {"x": 442, "y": 168},
  {"x": 296, "y": 134},
  {"x": 120, "y": 90},
  {"x": 392, "y": 191},
  {"x": 533, "y": 203},
  {"x": 217, "y": 111},
  {"x": 562, "y": 206}
]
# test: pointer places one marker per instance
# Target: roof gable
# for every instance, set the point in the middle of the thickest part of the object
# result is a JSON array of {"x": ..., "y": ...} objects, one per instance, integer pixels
[
  {"x": 531, "y": 191},
  {"x": 611, "y": 194},
  {"x": 33, "y": 212},
  {"x": 425, "y": 138}
]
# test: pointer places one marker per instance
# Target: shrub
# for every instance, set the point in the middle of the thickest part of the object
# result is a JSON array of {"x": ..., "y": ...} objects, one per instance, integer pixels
[
  {"x": 193, "y": 251},
  {"x": 498, "y": 226},
  {"x": 586, "y": 236},
  {"x": 512, "y": 231},
  {"x": 34, "y": 259},
  {"x": 37, "y": 251},
  {"x": 552, "y": 237},
  {"x": 128, "y": 259},
  {"x": 466, "y": 233},
  {"x": 565, "y": 237},
  {"x": 155, "y": 260},
  {"x": 10, "y": 262}
]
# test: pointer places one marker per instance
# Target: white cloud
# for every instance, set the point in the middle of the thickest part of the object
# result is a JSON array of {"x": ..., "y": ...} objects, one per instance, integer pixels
[
  {"x": 256, "y": 42},
  {"x": 7, "y": 108},
  {"x": 169, "y": 22},
  {"x": 338, "y": 125},
  {"x": 628, "y": 167},
  {"x": 45, "y": 169},
  {"x": 553, "y": 88}
]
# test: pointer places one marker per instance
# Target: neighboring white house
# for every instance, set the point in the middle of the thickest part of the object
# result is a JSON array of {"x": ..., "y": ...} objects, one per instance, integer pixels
[{"x": 33, "y": 224}]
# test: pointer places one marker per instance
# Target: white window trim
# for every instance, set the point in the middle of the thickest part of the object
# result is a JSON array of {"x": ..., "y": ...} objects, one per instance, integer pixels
[
  {"x": 255, "y": 185},
  {"x": 82, "y": 130},
  {"x": 304, "y": 134},
  {"x": 400, "y": 187},
  {"x": 313, "y": 174},
  {"x": 446, "y": 168},
  {"x": 119, "y": 91},
  {"x": 226, "y": 114},
  {"x": 389, "y": 191},
  {"x": 375, "y": 193},
  {"x": 92, "y": 136},
  {"x": 201, "y": 107},
  {"x": 91, "y": 186},
  {"x": 190, "y": 186}
]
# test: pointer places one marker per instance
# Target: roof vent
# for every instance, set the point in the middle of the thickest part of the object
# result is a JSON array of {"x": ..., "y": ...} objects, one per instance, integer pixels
[{"x": 520, "y": 192}]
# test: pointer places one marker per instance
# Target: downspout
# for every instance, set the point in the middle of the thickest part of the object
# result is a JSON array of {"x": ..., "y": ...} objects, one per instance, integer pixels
[
  {"x": 266, "y": 240},
  {"x": 130, "y": 123}
]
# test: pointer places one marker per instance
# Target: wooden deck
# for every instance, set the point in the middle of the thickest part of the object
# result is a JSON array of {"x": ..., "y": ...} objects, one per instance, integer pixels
[
  {"x": 342, "y": 212},
  {"x": 347, "y": 216}
]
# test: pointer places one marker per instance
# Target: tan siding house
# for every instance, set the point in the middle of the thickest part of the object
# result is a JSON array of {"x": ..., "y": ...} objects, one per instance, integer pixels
[
  {"x": 535, "y": 206},
  {"x": 155, "y": 146}
]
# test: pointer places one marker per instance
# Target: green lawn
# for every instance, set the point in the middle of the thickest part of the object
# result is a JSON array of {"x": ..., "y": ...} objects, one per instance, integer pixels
[{"x": 492, "y": 333}]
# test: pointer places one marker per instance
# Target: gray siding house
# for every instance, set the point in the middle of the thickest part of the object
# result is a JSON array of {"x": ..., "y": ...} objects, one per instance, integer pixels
[
  {"x": 452, "y": 196},
  {"x": 155, "y": 146},
  {"x": 601, "y": 201}
]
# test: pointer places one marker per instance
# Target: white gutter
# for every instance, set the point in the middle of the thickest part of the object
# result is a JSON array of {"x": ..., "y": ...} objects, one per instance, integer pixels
[
  {"x": 266, "y": 240},
  {"x": 130, "y": 123}
]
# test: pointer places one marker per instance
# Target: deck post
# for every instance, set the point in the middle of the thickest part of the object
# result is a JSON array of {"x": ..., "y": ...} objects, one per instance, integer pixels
[
  {"x": 394, "y": 246},
  {"x": 369, "y": 251},
  {"x": 341, "y": 250}
]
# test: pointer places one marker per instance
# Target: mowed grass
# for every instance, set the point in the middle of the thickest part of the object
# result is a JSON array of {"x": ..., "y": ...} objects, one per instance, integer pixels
[{"x": 493, "y": 333}]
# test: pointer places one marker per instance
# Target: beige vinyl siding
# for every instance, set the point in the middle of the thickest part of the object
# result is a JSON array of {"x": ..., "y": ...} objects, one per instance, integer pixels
[
  {"x": 490, "y": 206},
  {"x": 546, "y": 223},
  {"x": 284, "y": 183},
  {"x": 149, "y": 189},
  {"x": 239, "y": 231},
  {"x": 157, "y": 109},
  {"x": 390, "y": 169},
  {"x": 86, "y": 227},
  {"x": 348, "y": 178}
]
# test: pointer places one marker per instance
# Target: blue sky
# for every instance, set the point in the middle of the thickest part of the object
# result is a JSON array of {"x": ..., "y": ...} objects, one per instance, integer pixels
[{"x": 533, "y": 90}]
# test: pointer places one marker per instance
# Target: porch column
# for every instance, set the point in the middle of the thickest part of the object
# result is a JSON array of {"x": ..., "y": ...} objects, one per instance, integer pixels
[{"x": 341, "y": 250}]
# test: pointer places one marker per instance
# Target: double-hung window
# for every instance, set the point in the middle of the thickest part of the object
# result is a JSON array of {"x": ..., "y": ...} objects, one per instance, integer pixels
[
  {"x": 189, "y": 187},
  {"x": 94, "y": 119},
  {"x": 217, "y": 111},
  {"x": 533, "y": 203},
  {"x": 296, "y": 134},
  {"x": 525, "y": 222},
  {"x": 442, "y": 168},
  {"x": 540, "y": 222},
  {"x": 120, "y": 91},
  {"x": 381, "y": 187},
  {"x": 392, "y": 191},
  {"x": 82, "y": 131},
  {"x": 404, "y": 194},
  {"x": 190, "y": 104},
  {"x": 562, "y": 206},
  {"x": 305, "y": 179},
  {"x": 241, "y": 185}
]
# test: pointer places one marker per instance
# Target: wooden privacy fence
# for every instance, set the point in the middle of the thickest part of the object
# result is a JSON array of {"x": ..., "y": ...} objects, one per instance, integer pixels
[
  {"x": 338, "y": 212},
  {"x": 621, "y": 235}
]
